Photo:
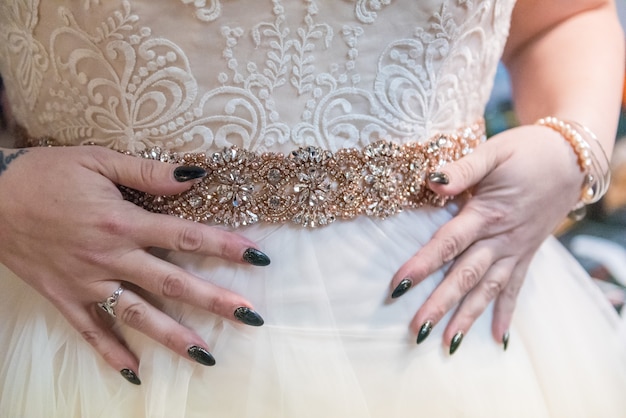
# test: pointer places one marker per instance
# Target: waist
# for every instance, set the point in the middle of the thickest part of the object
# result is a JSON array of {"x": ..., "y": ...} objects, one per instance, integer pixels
[{"x": 310, "y": 186}]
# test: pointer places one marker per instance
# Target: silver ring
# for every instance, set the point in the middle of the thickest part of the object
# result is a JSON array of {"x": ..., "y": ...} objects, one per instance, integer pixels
[{"x": 111, "y": 302}]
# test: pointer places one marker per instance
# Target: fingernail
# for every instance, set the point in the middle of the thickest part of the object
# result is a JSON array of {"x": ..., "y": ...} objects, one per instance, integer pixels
[
  {"x": 401, "y": 288},
  {"x": 130, "y": 375},
  {"x": 200, "y": 355},
  {"x": 188, "y": 172},
  {"x": 256, "y": 257},
  {"x": 424, "y": 331},
  {"x": 456, "y": 342},
  {"x": 505, "y": 340},
  {"x": 438, "y": 177},
  {"x": 248, "y": 316}
]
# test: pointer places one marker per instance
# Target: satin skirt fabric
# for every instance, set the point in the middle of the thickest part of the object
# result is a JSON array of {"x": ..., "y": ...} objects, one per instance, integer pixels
[{"x": 334, "y": 344}]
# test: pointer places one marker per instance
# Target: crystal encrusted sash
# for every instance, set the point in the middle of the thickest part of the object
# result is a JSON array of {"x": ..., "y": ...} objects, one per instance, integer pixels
[{"x": 310, "y": 186}]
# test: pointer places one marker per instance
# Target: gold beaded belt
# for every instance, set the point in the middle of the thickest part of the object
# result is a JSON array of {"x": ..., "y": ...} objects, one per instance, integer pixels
[{"x": 311, "y": 186}]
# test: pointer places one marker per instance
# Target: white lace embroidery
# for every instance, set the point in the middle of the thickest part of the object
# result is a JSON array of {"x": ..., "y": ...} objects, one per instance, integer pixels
[
  {"x": 206, "y": 14},
  {"x": 121, "y": 85},
  {"x": 366, "y": 9},
  {"x": 29, "y": 59}
]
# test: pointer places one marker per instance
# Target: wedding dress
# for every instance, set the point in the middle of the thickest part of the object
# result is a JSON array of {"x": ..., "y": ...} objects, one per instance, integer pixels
[{"x": 239, "y": 79}]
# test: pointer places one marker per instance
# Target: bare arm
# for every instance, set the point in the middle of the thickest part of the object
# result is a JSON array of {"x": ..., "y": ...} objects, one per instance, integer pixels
[{"x": 566, "y": 59}]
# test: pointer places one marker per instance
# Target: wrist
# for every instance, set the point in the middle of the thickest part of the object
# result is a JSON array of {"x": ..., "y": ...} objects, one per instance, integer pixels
[{"x": 591, "y": 158}]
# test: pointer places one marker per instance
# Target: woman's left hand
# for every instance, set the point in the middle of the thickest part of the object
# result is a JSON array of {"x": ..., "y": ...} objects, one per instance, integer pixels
[{"x": 523, "y": 182}]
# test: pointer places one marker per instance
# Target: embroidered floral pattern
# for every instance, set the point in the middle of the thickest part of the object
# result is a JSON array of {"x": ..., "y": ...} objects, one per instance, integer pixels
[
  {"x": 366, "y": 9},
  {"x": 28, "y": 56},
  {"x": 204, "y": 13},
  {"x": 120, "y": 106},
  {"x": 291, "y": 77}
]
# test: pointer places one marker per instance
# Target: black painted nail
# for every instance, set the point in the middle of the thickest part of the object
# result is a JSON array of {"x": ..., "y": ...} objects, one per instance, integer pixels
[
  {"x": 200, "y": 355},
  {"x": 188, "y": 172},
  {"x": 256, "y": 257},
  {"x": 505, "y": 340},
  {"x": 248, "y": 316},
  {"x": 424, "y": 331},
  {"x": 456, "y": 342},
  {"x": 437, "y": 177},
  {"x": 401, "y": 288},
  {"x": 130, "y": 375}
]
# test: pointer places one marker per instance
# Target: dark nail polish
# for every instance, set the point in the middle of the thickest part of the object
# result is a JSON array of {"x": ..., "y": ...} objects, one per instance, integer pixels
[
  {"x": 456, "y": 342},
  {"x": 256, "y": 257},
  {"x": 424, "y": 331},
  {"x": 248, "y": 316},
  {"x": 437, "y": 177},
  {"x": 188, "y": 172},
  {"x": 401, "y": 288},
  {"x": 505, "y": 340},
  {"x": 130, "y": 375},
  {"x": 200, "y": 355}
]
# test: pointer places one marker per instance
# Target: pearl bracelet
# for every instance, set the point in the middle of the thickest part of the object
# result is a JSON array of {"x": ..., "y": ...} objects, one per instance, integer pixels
[{"x": 592, "y": 161}]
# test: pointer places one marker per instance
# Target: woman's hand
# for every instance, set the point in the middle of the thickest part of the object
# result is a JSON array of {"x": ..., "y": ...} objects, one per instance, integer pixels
[
  {"x": 68, "y": 233},
  {"x": 522, "y": 182}
]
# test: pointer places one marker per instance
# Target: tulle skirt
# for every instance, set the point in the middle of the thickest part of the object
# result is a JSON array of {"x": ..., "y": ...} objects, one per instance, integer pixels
[{"x": 333, "y": 343}]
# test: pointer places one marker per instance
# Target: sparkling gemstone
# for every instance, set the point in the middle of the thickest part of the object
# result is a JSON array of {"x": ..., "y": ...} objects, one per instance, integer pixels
[
  {"x": 217, "y": 158},
  {"x": 252, "y": 217},
  {"x": 274, "y": 176},
  {"x": 274, "y": 202},
  {"x": 195, "y": 201},
  {"x": 228, "y": 154},
  {"x": 155, "y": 153}
]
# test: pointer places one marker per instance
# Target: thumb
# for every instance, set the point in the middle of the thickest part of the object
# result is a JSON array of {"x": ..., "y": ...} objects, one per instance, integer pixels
[
  {"x": 150, "y": 176},
  {"x": 456, "y": 177}
]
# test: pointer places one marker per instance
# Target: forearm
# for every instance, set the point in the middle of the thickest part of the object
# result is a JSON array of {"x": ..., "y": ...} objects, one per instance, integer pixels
[{"x": 573, "y": 70}]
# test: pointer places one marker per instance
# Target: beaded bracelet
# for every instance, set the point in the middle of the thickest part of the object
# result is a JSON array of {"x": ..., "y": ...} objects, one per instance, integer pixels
[{"x": 592, "y": 161}]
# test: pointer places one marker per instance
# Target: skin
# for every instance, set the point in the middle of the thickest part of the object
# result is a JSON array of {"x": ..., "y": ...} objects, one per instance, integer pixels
[
  {"x": 491, "y": 241},
  {"x": 108, "y": 243},
  {"x": 525, "y": 180}
]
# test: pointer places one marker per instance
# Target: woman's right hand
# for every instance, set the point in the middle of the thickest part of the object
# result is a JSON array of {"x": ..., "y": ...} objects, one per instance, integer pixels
[{"x": 67, "y": 232}]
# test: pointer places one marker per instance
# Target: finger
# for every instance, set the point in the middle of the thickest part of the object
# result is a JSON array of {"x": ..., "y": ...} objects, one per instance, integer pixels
[
  {"x": 165, "y": 279},
  {"x": 506, "y": 301},
  {"x": 134, "y": 311},
  {"x": 150, "y": 176},
  {"x": 458, "y": 176},
  {"x": 447, "y": 243},
  {"x": 466, "y": 273},
  {"x": 100, "y": 336},
  {"x": 179, "y": 234},
  {"x": 477, "y": 300}
]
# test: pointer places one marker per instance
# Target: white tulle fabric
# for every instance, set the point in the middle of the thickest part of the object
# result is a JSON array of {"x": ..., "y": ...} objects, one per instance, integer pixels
[{"x": 272, "y": 75}]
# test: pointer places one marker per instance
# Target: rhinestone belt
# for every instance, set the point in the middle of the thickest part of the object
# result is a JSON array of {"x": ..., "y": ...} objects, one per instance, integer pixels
[{"x": 310, "y": 186}]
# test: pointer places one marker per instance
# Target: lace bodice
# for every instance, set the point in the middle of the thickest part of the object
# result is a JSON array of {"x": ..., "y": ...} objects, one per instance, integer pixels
[{"x": 260, "y": 74}]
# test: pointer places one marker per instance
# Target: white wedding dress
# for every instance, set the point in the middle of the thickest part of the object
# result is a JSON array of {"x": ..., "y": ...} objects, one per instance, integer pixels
[{"x": 273, "y": 76}]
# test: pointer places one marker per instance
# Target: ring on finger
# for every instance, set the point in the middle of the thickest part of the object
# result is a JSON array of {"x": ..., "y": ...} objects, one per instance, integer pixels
[{"x": 109, "y": 304}]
